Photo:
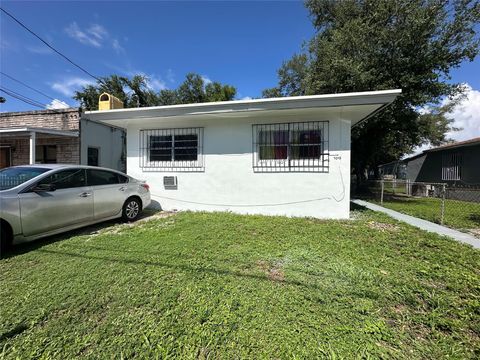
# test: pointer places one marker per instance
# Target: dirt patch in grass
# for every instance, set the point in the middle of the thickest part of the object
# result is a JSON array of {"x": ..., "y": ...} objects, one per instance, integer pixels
[
  {"x": 384, "y": 227},
  {"x": 273, "y": 271},
  {"x": 475, "y": 232},
  {"x": 117, "y": 229}
]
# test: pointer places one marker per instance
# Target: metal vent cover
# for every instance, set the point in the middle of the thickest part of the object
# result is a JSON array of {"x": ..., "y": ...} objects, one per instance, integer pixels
[{"x": 170, "y": 182}]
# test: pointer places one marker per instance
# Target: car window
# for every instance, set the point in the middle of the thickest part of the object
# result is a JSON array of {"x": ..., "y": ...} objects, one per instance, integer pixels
[
  {"x": 65, "y": 179},
  {"x": 122, "y": 179},
  {"x": 101, "y": 177},
  {"x": 14, "y": 176}
]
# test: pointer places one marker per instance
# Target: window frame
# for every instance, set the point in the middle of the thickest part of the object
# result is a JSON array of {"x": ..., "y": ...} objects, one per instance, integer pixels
[
  {"x": 318, "y": 163},
  {"x": 145, "y": 146}
]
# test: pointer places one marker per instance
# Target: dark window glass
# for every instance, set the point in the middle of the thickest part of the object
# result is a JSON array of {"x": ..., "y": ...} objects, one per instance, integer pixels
[
  {"x": 161, "y": 148},
  {"x": 306, "y": 144},
  {"x": 174, "y": 147},
  {"x": 46, "y": 154},
  {"x": 93, "y": 156},
  {"x": 186, "y": 147},
  {"x": 65, "y": 179},
  {"x": 12, "y": 177},
  {"x": 101, "y": 177},
  {"x": 122, "y": 179}
]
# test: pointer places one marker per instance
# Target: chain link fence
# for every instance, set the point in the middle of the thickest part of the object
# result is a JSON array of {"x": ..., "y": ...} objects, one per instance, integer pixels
[{"x": 457, "y": 207}]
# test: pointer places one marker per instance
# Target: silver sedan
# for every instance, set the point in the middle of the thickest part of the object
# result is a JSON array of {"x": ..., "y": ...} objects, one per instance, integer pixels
[{"x": 42, "y": 200}]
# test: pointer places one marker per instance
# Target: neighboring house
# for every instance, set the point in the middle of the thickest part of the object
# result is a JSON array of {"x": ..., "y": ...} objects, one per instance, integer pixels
[
  {"x": 455, "y": 164},
  {"x": 393, "y": 170},
  {"x": 59, "y": 136},
  {"x": 281, "y": 156}
]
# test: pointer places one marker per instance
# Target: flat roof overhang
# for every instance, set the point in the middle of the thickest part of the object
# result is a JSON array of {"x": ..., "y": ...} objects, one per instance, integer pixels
[
  {"x": 352, "y": 106},
  {"x": 26, "y": 131}
]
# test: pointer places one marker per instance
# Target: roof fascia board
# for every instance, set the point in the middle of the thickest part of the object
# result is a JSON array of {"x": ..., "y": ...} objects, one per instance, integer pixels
[
  {"x": 296, "y": 102},
  {"x": 40, "y": 131}
]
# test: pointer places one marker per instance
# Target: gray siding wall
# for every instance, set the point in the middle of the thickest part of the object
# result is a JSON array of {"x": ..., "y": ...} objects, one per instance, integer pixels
[
  {"x": 109, "y": 140},
  {"x": 414, "y": 166},
  {"x": 428, "y": 167},
  {"x": 471, "y": 165}
]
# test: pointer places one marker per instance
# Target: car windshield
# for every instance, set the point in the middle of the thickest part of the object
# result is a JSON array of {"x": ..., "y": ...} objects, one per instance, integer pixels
[{"x": 14, "y": 176}]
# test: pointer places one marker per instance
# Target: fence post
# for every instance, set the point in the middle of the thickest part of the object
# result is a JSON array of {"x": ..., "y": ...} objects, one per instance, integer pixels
[
  {"x": 442, "y": 215},
  {"x": 381, "y": 193}
]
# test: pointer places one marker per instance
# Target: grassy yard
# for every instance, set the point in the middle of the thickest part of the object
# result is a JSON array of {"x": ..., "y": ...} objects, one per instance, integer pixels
[
  {"x": 460, "y": 215},
  {"x": 197, "y": 285}
]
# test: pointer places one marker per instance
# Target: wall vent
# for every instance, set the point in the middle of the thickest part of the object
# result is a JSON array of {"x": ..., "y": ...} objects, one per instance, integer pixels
[{"x": 170, "y": 182}]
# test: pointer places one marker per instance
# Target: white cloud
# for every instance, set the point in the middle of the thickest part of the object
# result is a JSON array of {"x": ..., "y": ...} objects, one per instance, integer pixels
[
  {"x": 68, "y": 86},
  {"x": 466, "y": 115},
  {"x": 95, "y": 35},
  {"x": 170, "y": 75},
  {"x": 117, "y": 47},
  {"x": 246, "y": 98},
  {"x": 97, "y": 31},
  {"x": 206, "y": 79},
  {"x": 57, "y": 104},
  {"x": 155, "y": 83},
  {"x": 84, "y": 37}
]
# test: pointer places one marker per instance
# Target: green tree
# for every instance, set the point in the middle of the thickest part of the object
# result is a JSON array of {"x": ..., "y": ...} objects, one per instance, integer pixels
[
  {"x": 135, "y": 92},
  {"x": 362, "y": 45},
  {"x": 168, "y": 97}
]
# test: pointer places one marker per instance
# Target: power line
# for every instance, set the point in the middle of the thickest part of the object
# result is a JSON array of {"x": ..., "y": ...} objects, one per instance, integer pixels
[
  {"x": 50, "y": 46},
  {"x": 23, "y": 98},
  {"x": 31, "y": 88}
]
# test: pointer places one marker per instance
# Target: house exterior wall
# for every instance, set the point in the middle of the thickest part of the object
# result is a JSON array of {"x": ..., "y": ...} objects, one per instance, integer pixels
[
  {"x": 471, "y": 165},
  {"x": 110, "y": 141},
  {"x": 428, "y": 167},
  {"x": 67, "y": 149},
  {"x": 65, "y": 119},
  {"x": 228, "y": 181},
  {"x": 70, "y": 150},
  {"x": 414, "y": 166}
]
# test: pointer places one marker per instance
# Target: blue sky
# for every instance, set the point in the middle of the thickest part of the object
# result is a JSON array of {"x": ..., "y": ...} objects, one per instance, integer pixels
[{"x": 239, "y": 43}]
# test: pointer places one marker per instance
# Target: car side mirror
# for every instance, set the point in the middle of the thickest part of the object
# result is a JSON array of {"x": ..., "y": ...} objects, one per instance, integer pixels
[{"x": 44, "y": 188}]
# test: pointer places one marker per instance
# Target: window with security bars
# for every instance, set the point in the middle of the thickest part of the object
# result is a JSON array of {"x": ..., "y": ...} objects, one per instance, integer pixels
[
  {"x": 172, "y": 149},
  {"x": 299, "y": 146},
  {"x": 451, "y": 166}
]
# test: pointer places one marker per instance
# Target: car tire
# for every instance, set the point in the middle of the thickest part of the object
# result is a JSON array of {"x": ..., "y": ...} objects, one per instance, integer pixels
[
  {"x": 5, "y": 240},
  {"x": 131, "y": 209}
]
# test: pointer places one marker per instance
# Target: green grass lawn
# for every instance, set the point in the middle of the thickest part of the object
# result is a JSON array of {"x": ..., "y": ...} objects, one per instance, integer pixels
[
  {"x": 460, "y": 215},
  {"x": 224, "y": 286}
]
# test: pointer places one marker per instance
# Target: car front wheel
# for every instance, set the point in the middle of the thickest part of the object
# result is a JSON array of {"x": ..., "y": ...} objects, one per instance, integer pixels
[{"x": 131, "y": 209}]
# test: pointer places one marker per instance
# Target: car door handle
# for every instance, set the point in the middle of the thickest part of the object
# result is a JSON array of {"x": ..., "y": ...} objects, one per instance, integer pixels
[
  {"x": 85, "y": 194},
  {"x": 123, "y": 188}
]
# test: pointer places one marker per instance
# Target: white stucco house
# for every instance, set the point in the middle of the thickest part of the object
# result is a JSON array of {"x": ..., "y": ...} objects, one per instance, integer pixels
[{"x": 279, "y": 156}]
